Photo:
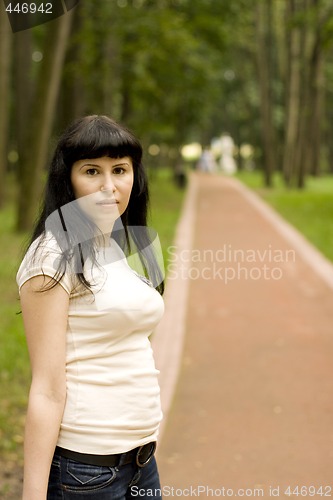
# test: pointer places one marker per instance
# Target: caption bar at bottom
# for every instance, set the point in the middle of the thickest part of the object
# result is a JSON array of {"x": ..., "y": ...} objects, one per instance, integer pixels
[{"x": 208, "y": 492}]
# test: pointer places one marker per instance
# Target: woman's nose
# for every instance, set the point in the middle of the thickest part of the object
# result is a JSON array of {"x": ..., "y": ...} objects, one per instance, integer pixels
[{"x": 108, "y": 184}]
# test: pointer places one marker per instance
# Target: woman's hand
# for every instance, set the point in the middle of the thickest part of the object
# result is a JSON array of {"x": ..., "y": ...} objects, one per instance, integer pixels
[{"x": 45, "y": 317}]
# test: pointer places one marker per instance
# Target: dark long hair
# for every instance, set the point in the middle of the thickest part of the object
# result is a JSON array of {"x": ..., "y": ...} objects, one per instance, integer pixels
[{"x": 95, "y": 137}]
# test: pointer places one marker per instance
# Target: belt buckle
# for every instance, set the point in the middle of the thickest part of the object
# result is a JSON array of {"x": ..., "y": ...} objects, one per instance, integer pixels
[{"x": 150, "y": 456}]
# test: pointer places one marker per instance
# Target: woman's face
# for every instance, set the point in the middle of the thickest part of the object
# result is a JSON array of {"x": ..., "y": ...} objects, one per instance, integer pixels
[{"x": 103, "y": 188}]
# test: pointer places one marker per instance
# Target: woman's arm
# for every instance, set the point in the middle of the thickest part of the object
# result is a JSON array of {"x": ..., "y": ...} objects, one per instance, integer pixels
[{"x": 45, "y": 316}]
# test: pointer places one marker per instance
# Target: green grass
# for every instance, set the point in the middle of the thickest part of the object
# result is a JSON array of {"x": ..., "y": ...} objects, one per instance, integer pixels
[
  {"x": 166, "y": 201},
  {"x": 14, "y": 367},
  {"x": 310, "y": 210}
]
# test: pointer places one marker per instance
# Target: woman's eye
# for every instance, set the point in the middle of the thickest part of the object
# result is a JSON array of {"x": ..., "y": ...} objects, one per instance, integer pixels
[
  {"x": 119, "y": 170},
  {"x": 91, "y": 171}
]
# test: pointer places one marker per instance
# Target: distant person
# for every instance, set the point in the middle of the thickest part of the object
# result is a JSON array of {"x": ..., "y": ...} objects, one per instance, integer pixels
[
  {"x": 227, "y": 162},
  {"x": 180, "y": 176},
  {"x": 206, "y": 162},
  {"x": 94, "y": 405}
]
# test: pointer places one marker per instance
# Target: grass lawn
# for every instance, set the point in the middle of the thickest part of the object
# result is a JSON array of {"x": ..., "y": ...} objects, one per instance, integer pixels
[
  {"x": 14, "y": 372},
  {"x": 166, "y": 202},
  {"x": 310, "y": 210}
]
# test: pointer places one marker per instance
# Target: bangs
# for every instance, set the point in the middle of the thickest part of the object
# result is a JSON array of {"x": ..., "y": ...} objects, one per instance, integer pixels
[{"x": 99, "y": 136}]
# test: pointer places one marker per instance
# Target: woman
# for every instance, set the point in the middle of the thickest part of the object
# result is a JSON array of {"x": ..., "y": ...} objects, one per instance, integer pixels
[{"x": 94, "y": 408}]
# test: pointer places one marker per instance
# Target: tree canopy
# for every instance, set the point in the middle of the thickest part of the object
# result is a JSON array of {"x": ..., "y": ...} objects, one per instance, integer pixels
[{"x": 174, "y": 71}]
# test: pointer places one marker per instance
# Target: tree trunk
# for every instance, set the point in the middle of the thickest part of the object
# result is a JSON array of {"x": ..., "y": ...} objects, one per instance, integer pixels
[
  {"x": 264, "y": 52},
  {"x": 127, "y": 71},
  {"x": 41, "y": 119},
  {"x": 109, "y": 86},
  {"x": 5, "y": 63},
  {"x": 293, "y": 98},
  {"x": 126, "y": 93},
  {"x": 306, "y": 35},
  {"x": 72, "y": 98},
  {"x": 317, "y": 127},
  {"x": 23, "y": 88},
  {"x": 317, "y": 89},
  {"x": 303, "y": 141}
]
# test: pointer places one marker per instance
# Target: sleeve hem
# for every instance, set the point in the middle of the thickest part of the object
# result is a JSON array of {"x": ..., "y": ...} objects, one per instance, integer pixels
[{"x": 49, "y": 275}]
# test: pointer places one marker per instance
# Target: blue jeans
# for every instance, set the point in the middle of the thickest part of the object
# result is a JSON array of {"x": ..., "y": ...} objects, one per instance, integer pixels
[{"x": 71, "y": 480}]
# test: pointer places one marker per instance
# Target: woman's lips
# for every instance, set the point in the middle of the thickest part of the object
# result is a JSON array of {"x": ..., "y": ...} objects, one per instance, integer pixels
[{"x": 107, "y": 202}]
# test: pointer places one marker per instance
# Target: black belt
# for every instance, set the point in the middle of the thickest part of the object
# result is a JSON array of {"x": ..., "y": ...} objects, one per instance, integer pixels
[{"x": 141, "y": 456}]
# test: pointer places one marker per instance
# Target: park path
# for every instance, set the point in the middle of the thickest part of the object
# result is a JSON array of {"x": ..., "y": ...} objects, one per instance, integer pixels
[{"x": 253, "y": 404}]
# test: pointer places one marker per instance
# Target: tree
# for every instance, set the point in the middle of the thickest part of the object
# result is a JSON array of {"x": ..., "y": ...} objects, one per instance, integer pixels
[
  {"x": 42, "y": 112},
  {"x": 22, "y": 88},
  {"x": 5, "y": 64},
  {"x": 264, "y": 27},
  {"x": 293, "y": 84},
  {"x": 307, "y": 20}
]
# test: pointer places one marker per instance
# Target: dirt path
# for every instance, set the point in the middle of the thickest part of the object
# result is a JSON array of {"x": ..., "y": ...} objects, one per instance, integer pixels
[{"x": 253, "y": 407}]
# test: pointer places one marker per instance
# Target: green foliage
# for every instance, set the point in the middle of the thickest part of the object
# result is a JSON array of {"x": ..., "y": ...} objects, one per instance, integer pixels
[
  {"x": 151, "y": 64},
  {"x": 177, "y": 71}
]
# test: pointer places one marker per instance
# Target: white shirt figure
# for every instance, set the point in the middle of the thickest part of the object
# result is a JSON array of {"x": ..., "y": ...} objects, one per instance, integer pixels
[
  {"x": 227, "y": 161},
  {"x": 207, "y": 162},
  {"x": 110, "y": 372}
]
